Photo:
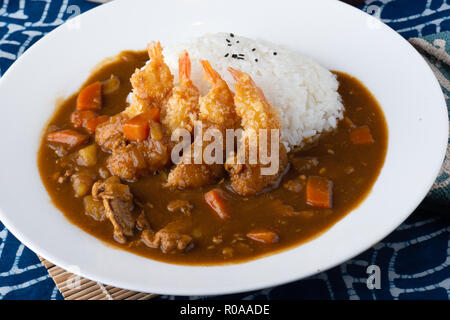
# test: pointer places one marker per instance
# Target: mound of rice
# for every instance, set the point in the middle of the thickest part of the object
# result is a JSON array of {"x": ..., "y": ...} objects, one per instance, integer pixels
[{"x": 304, "y": 92}]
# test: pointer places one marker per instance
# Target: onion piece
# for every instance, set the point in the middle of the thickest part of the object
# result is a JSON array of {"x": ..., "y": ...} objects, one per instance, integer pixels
[{"x": 110, "y": 85}]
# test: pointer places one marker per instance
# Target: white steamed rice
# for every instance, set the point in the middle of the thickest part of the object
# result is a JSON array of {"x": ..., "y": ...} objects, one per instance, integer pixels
[{"x": 304, "y": 92}]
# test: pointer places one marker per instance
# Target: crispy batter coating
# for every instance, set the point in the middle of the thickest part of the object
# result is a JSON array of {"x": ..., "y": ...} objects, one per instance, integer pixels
[
  {"x": 246, "y": 179},
  {"x": 256, "y": 113},
  {"x": 251, "y": 104},
  {"x": 191, "y": 175},
  {"x": 182, "y": 108},
  {"x": 216, "y": 111},
  {"x": 217, "y": 107},
  {"x": 126, "y": 162},
  {"x": 152, "y": 84},
  {"x": 156, "y": 152}
]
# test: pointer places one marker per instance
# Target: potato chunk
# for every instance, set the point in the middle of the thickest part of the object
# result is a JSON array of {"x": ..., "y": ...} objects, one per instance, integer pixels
[
  {"x": 88, "y": 156},
  {"x": 82, "y": 184},
  {"x": 94, "y": 208}
]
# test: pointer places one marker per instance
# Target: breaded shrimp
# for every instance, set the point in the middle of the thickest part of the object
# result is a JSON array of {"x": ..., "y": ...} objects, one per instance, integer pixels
[
  {"x": 217, "y": 107},
  {"x": 251, "y": 104},
  {"x": 151, "y": 85},
  {"x": 182, "y": 108},
  {"x": 217, "y": 111},
  {"x": 256, "y": 114},
  {"x": 191, "y": 175}
]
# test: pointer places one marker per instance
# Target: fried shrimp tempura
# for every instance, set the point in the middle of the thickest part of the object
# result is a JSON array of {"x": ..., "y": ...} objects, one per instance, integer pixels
[
  {"x": 182, "y": 108},
  {"x": 251, "y": 104},
  {"x": 151, "y": 85},
  {"x": 217, "y": 106},
  {"x": 217, "y": 111},
  {"x": 256, "y": 113}
]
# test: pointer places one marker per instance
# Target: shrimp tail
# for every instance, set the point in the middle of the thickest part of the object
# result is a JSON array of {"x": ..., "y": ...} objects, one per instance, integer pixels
[
  {"x": 154, "y": 50},
  {"x": 210, "y": 74},
  {"x": 242, "y": 77},
  {"x": 184, "y": 66},
  {"x": 236, "y": 74}
]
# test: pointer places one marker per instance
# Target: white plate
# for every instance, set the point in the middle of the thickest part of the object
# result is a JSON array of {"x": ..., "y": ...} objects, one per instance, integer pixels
[{"x": 337, "y": 35}]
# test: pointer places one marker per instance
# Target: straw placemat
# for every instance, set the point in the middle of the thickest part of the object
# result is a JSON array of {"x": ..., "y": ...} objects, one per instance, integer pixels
[{"x": 74, "y": 287}]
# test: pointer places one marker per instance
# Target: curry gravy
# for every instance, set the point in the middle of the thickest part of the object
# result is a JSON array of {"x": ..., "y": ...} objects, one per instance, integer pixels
[{"x": 352, "y": 168}]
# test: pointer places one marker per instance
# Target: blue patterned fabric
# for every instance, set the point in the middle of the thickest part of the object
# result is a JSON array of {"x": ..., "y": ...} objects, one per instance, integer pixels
[
  {"x": 413, "y": 261},
  {"x": 412, "y": 18},
  {"x": 435, "y": 48}
]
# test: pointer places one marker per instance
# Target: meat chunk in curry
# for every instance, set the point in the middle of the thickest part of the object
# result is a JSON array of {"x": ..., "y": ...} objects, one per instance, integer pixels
[
  {"x": 169, "y": 239},
  {"x": 118, "y": 202}
]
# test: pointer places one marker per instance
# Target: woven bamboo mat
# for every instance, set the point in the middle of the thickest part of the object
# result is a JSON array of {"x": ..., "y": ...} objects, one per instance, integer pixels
[{"x": 74, "y": 287}]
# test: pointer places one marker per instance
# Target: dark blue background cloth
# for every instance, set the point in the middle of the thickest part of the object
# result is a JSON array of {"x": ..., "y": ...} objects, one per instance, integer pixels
[{"x": 413, "y": 261}]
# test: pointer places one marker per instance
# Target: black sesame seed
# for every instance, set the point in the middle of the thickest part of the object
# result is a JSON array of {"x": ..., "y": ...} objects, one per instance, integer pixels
[
  {"x": 254, "y": 49},
  {"x": 256, "y": 60},
  {"x": 234, "y": 55},
  {"x": 231, "y": 35},
  {"x": 237, "y": 41},
  {"x": 229, "y": 44},
  {"x": 275, "y": 53},
  {"x": 241, "y": 54},
  {"x": 240, "y": 58},
  {"x": 228, "y": 40},
  {"x": 227, "y": 55}
]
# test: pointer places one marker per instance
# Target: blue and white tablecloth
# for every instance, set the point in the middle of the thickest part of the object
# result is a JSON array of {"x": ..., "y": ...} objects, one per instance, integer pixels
[{"x": 413, "y": 261}]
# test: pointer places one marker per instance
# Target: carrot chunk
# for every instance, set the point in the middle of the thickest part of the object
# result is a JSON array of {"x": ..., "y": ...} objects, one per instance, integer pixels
[
  {"x": 79, "y": 117},
  {"x": 217, "y": 203},
  {"x": 69, "y": 138},
  {"x": 361, "y": 135},
  {"x": 150, "y": 114},
  {"x": 138, "y": 128},
  {"x": 93, "y": 123},
  {"x": 319, "y": 192},
  {"x": 90, "y": 98},
  {"x": 263, "y": 235}
]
